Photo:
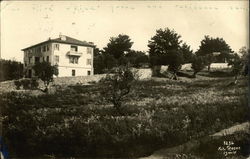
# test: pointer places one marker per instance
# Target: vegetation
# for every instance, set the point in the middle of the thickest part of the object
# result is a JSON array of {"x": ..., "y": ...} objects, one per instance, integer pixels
[
  {"x": 10, "y": 70},
  {"x": 117, "y": 86},
  {"x": 118, "y": 46},
  {"x": 211, "y": 45},
  {"x": 198, "y": 64},
  {"x": 77, "y": 121},
  {"x": 45, "y": 72}
]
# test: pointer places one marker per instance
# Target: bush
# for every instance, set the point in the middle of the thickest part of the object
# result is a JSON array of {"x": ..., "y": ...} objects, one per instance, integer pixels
[
  {"x": 26, "y": 84},
  {"x": 18, "y": 84},
  {"x": 118, "y": 85}
]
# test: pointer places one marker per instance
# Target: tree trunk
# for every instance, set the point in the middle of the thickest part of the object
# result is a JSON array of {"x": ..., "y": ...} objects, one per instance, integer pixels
[
  {"x": 208, "y": 67},
  {"x": 194, "y": 75},
  {"x": 175, "y": 76}
]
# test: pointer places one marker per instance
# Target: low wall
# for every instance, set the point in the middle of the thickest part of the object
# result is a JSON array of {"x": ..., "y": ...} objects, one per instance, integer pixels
[
  {"x": 143, "y": 73},
  {"x": 7, "y": 86},
  {"x": 77, "y": 79}
]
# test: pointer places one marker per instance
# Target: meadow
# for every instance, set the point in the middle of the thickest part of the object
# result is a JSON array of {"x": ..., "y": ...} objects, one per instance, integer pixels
[{"x": 76, "y": 120}]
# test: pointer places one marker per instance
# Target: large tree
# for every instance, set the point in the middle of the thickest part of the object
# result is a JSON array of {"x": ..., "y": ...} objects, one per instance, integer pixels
[
  {"x": 118, "y": 46},
  {"x": 161, "y": 44},
  {"x": 165, "y": 49},
  {"x": 210, "y": 45}
]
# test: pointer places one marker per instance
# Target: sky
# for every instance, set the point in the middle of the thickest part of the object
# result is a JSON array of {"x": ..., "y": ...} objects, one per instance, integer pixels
[{"x": 25, "y": 23}]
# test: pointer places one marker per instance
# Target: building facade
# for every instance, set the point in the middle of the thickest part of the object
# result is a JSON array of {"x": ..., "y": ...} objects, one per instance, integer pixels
[{"x": 73, "y": 57}]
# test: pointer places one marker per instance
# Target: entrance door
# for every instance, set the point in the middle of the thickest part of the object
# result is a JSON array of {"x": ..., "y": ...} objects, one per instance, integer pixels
[{"x": 73, "y": 72}]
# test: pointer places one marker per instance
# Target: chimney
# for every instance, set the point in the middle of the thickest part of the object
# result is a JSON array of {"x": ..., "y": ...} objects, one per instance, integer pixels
[{"x": 62, "y": 37}]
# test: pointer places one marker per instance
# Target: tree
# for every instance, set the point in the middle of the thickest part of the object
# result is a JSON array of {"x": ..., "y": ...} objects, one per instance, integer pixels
[
  {"x": 118, "y": 46},
  {"x": 239, "y": 63},
  {"x": 137, "y": 58},
  {"x": 210, "y": 45},
  {"x": 187, "y": 53},
  {"x": 45, "y": 72},
  {"x": 164, "y": 49},
  {"x": 10, "y": 70},
  {"x": 198, "y": 64},
  {"x": 99, "y": 64},
  {"x": 161, "y": 44},
  {"x": 175, "y": 62},
  {"x": 117, "y": 86}
]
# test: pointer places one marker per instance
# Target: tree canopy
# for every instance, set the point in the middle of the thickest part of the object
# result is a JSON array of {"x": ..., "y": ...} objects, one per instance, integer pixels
[
  {"x": 118, "y": 46},
  {"x": 162, "y": 44},
  {"x": 45, "y": 72},
  {"x": 210, "y": 45},
  {"x": 187, "y": 53}
]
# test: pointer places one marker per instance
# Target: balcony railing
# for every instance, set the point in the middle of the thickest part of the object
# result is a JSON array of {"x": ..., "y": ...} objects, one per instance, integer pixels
[{"x": 74, "y": 53}]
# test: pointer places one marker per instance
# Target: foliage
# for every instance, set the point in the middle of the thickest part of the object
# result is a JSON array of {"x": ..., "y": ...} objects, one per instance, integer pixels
[
  {"x": 175, "y": 62},
  {"x": 45, "y": 72},
  {"x": 117, "y": 46},
  {"x": 198, "y": 64},
  {"x": 26, "y": 84},
  {"x": 10, "y": 70},
  {"x": 137, "y": 58},
  {"x": 187, "y": 53},
  {"x": 210, "y": 45},
  {"x": 157, "y": 113},
  {"x": 239, "y": 63},
  {"x": 116, "y": 86},
  {"x": 161, "y": 44}
]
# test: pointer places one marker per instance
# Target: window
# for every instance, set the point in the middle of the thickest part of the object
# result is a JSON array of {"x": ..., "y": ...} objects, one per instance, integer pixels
[
  {"x": 30, "y": 73},
  {"x": 47, "y": 47},
  {"x": 43, "y": 59},
  {"x": 89, "y": 61},
  {"x": 44, "y": 48},
  {"x": 89, "y": 72},
  {"x": 56, "y": 46},
  {"x": 37, "y": 59},
  {"x": 30, "y": 58},
  {"x": 73, "y": 72},
  {"x": 73, "y": 48},
  {"x": 47, "y": 59},
  {"x": 89, "y": 50},
  {"x": 56, "y": 59},
  {"x": 73, "y": 59}
]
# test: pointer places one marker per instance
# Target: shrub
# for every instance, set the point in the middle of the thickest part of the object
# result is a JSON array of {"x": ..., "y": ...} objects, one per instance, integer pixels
[
  {"x": 26, "y": 83},
  {"x": 18, "y": 84},
  {"x": 116, "y": 86}
]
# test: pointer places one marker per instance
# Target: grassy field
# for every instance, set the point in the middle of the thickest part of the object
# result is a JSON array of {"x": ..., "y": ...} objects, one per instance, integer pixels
[{"x": 77, "y": 121}]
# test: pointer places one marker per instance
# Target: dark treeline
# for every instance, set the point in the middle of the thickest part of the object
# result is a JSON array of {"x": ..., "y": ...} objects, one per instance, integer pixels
[{"x": 10, "y": 70}]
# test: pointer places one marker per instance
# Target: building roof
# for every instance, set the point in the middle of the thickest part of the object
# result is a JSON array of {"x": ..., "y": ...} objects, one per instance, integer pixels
[{"x": 66, "y": 40}]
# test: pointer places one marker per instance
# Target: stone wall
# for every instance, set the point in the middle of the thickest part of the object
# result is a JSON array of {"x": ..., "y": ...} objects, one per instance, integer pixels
[{"x": 77, "y": 79}]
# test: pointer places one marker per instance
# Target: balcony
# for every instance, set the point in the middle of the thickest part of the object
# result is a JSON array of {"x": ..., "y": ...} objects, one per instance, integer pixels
[{"x": 74, "y": 53}]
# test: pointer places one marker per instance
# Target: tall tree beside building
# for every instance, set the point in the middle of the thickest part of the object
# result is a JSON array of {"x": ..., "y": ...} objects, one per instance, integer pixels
[{"x": 45, "y": 72}]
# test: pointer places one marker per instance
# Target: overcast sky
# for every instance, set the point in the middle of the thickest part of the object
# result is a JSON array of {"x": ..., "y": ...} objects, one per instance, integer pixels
[{"x": 24, "y": 23}]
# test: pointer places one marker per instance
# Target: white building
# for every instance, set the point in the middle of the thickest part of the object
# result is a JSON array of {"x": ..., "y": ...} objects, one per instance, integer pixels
[{"x": 73, "y": 57}]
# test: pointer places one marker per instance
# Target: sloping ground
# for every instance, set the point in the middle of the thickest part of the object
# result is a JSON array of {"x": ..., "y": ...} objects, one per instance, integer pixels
[{"x": 186, "y": 150}]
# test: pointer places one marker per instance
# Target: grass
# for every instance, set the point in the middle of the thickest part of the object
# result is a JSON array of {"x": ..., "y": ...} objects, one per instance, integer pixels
[{"x": 76, "y": 120}]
